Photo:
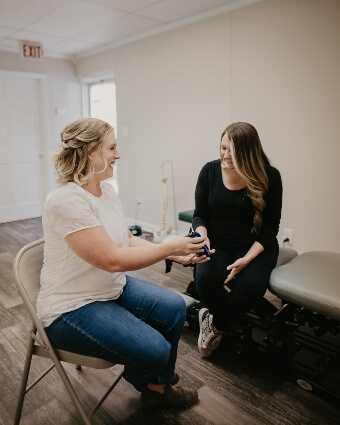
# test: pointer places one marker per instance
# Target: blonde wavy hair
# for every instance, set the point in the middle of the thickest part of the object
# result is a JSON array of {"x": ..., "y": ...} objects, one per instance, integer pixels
[
  {"x": 78, "y": 140},
  {"x": 249, "y": 161}
]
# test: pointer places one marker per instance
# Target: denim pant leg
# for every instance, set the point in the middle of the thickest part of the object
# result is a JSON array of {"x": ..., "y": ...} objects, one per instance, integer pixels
[
  {"x": 160, "y": 309},
  {"x": 140, "y": 330}
]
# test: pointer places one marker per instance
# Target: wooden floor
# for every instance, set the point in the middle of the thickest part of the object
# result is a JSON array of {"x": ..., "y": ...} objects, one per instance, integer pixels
[{"x": 232, "y": 390}]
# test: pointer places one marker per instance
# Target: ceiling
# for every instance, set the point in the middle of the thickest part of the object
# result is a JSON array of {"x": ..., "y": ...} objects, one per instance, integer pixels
[{"x": 77, "y": 28}]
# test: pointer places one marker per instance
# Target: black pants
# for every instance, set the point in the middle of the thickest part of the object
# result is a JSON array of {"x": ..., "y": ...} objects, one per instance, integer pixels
[{"x": 245, "y": 290}]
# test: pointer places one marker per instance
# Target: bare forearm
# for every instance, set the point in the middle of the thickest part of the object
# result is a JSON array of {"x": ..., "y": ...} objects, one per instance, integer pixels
[
  {"x": 140, "y": 253},
  {"x": 138, "y": 257},
  {"x": 202, "y": 231},
  {"x": 96, "y": 247},
  {"x": 136, "y": 241}
]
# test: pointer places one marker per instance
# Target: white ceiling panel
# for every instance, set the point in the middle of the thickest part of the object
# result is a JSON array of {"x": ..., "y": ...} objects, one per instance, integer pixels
[
  {"x": 17, "y": 13},
  {"x": 172, "y": 10},
  {"x": 128, "y": 5},
  {"x": 125, "y": 27},
  {"x": 74, "y": 18},
  {"x": 5, "y": 32},
  {"x": 73, "y": 47},
  {"x": 71, "y": 28}
]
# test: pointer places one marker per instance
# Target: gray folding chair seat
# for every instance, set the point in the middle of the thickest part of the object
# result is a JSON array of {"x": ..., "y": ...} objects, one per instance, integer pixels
[{"x": 27, "y": 266}]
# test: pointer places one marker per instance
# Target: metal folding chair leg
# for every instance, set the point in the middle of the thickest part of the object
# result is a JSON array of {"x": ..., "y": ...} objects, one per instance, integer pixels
[
  {"x": 24, "y": 380},
  {"x": 27, "y": 267},
  {"x": 101, "y": 401},
  {"x": 61, "y": 371}
]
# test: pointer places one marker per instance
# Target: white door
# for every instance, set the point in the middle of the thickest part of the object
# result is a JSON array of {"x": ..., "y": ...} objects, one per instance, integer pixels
[{"x": 20, "y": 149}]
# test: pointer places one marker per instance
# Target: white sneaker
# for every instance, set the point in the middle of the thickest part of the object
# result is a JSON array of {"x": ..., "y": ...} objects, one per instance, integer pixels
[{"x": 207, "y": 340}]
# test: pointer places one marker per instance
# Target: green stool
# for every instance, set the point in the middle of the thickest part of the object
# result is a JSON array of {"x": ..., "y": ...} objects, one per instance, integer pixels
[{"x": 186, "y": 216}]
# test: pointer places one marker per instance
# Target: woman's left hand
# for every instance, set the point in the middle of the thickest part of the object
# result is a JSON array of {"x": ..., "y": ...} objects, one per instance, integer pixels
[
  {"x": 235, "y": 268},
  {"x": 192, "y": 258}
]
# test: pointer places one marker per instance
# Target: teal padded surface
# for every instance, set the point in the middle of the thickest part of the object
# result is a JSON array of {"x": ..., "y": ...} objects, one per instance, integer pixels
[{"x": 186, "y": 216}]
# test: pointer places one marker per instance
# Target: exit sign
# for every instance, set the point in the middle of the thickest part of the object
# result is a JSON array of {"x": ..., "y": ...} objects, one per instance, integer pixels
[{"x": 30, "y": 50}]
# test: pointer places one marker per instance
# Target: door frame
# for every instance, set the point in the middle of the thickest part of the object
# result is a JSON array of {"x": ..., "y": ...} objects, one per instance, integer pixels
[{"x": 44, "y": 142}]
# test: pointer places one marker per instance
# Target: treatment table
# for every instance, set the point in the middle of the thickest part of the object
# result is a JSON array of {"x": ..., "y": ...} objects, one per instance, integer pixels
[{"x": 302, "y": 333}]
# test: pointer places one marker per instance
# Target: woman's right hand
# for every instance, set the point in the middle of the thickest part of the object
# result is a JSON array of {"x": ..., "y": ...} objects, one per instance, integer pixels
[
  {"x": 204, "y": 233},
  {"x": 184, "y": 245}
]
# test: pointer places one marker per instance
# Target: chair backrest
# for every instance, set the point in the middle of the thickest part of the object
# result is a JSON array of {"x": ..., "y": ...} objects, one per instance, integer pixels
[{"x": 27, "y": 267}]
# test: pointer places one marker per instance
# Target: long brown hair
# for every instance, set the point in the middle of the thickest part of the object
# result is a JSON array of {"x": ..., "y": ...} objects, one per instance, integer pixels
[{"x": 249, "y": 161}]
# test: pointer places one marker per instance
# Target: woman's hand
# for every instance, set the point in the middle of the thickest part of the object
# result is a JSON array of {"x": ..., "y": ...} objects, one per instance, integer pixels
[
  {"x": 191, "y": 258},
  {"x": 255, "y": 250},
  {"x": 183, "y": 245},
  {"x": 235, "y": 268},
  {"x": 203, "y": 232}
]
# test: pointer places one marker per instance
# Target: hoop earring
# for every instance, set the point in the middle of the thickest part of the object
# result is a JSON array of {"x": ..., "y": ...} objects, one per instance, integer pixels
[{"x": 105, "y": 166}]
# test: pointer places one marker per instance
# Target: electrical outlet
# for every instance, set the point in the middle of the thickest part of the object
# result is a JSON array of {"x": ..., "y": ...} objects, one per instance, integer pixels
[{"x": 288, "y": 234}]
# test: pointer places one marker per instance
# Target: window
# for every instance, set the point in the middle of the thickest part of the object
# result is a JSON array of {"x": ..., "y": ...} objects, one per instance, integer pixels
[{"x": 102, "y": 105}]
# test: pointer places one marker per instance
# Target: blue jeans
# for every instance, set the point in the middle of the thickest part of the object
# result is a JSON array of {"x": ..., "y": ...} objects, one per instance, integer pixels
[{"x": 139, "y": 330}]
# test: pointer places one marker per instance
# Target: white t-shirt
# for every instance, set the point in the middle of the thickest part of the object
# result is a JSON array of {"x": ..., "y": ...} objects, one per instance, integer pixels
[{"x": 68, "y": 282}]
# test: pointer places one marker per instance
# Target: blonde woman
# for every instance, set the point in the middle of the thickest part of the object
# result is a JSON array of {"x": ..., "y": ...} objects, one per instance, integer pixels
[
  {"x": 87, "y": 303},
  {"x": 238, "y": 202}
]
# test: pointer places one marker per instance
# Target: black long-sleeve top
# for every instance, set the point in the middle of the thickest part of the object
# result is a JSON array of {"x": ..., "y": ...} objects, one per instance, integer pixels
[{"x": 228, "y": 214}]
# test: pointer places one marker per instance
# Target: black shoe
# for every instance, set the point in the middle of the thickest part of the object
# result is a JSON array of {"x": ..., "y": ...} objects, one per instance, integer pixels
[
  {"x": 175, "y": 379},
  {"x": 172, "y": 397}
]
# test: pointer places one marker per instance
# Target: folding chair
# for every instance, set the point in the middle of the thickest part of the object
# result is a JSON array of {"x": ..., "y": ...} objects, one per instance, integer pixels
[{"x": 27, "y": 266}]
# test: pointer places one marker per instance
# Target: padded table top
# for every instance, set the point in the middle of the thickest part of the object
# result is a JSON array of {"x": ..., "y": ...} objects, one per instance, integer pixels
[
  {"x": 186, "y": 216},
  {"x": 310, "y": 280}
]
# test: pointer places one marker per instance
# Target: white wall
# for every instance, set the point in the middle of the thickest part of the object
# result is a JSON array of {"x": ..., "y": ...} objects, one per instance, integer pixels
[
  {"x": 275, "y": 64},
  {"x": 286, "y": 80},
  {"x": 63, "y": 90},
  {"x": 171, "y": 97}
]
